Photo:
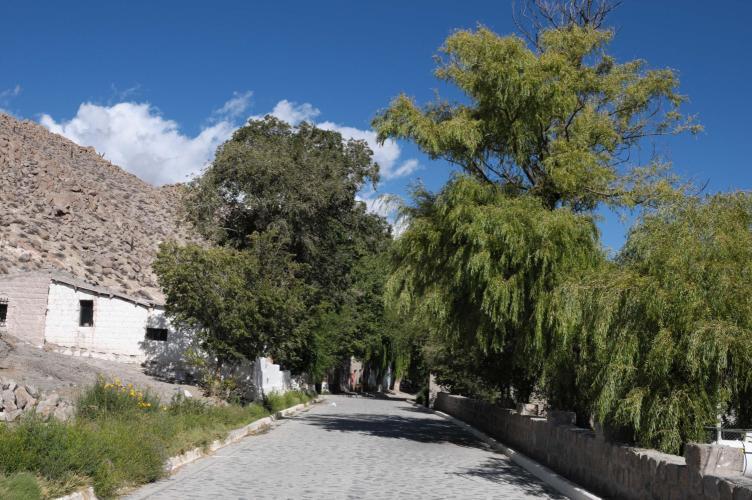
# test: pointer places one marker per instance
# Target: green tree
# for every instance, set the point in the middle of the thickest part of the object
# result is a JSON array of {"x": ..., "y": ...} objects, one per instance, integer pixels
[
  {"x": 239, "y": 304},
  {"x": 557, "y": 121},
  {"x": 279, "y": 203},
  {"x": 480, "y": 267},
  {"x": 665, "y": 333},
  {"x": 547, "y": 130},
  {"x": 301, "y": 182}
]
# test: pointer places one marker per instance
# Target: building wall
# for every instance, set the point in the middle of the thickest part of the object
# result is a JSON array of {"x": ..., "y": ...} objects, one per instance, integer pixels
[
  {"x": 27, "y": 304},
  {"x": 118, "y": 330}
]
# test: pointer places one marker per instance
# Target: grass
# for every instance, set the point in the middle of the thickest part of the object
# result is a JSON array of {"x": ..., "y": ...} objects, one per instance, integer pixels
[
  {"x": 120, "y": 438},
  {"x": 275, "y": 402},
  {"x": 21, "y": 486}
]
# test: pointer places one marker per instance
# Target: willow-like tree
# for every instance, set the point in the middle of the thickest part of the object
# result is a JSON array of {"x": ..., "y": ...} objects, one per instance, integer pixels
[
  {"x": 664, "y": 334},
  {"x": 547, "y": 130},
  {"x": 558, "y": 121}
]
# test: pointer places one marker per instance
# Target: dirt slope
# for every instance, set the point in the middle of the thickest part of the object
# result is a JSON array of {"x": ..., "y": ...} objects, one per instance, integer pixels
[{"x": 64, "y": 206}]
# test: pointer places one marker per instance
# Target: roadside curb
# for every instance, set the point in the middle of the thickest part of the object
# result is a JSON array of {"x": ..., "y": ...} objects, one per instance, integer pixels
[
  {"x": 551, "y": 478},
  {"x": 174, "y": 463}
]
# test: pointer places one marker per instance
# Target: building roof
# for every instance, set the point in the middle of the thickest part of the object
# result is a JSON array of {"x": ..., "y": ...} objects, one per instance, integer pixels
[{"x": 68, "y": 279}]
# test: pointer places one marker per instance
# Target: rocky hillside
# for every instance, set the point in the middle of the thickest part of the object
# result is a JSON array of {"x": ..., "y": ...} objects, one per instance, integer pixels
[{"x": 64, "y": 206}]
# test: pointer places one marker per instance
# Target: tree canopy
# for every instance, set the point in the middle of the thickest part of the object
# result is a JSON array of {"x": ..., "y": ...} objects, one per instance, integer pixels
[
  {"x": 558, "y": 120},
  {"x": 666, "y": 331},
  {"x": 300, "y": 182},
  {"x": 291, "y": 268}
]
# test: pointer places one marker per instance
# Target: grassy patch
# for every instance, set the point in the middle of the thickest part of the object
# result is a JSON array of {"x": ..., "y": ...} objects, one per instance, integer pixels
[
  {"x": 120, "y": 437},
  {"x": 21, "y": 486},
  {"x": 275, "y": 402}
]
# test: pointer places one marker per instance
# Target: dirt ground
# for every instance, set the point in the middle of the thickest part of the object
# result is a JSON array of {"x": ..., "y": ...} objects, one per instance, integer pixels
[{"x": 67, "y": 375}]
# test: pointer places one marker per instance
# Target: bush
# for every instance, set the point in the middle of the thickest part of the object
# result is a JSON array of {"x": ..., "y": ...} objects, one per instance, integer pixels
[
  {"x": 114, "y": 398},
  {"x": 120, "y": 437},
  {"x": 276, "y": 401},
  {"x": 22, "y": 486}
]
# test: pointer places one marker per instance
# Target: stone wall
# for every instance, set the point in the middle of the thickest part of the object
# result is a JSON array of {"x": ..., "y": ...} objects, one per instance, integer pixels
[{"x": 608, "y": 469}]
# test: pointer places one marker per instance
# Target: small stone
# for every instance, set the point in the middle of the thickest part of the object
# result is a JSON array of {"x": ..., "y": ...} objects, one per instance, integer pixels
[
  {"x": 33, "y": 391},
  {"x": 63, "y": 412},
  {"x": 187, "y": 394},
  {"x": 12, "y": 415}
]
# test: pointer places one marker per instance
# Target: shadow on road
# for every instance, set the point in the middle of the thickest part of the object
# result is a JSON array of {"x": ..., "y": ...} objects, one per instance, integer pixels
[
  {"x": 398, "y": 427},
  {"x": 501, "y": 471}
]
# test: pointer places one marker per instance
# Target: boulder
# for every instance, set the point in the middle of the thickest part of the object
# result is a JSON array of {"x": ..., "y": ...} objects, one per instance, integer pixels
[
  {"x": 9, "y": 400},
  {"x": 12, "y": 415},
  {"x": 47, "y": 405},
  {"x": 23, "y": 398},
  {"x": 63, "y": 412}
]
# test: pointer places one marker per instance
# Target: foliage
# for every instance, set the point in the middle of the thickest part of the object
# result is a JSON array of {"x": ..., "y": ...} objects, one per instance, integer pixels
[
  {"x": 240, "y": 304},
  {"x": 557, "y": 121},
  {"x": 665, "y": 334},
  {"x": 275, "y": 401},
  {"x": 20, "y": 486},
  {"x": 114, "y": 442},
  {"x": 280, "y": 203},
  {"x": 299, "y": 182},
  {"x": 114, "y": 397},
  {"x": 480, "y": 267}
]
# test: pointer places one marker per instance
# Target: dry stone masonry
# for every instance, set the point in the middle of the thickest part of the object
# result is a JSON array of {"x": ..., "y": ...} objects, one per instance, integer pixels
[
  {"x": 609, "y": 469},
  {"x": 18, "y": 400}
]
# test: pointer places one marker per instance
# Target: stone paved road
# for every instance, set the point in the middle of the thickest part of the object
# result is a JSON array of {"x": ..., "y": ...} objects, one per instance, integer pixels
[{"x": 361, "y": 449}]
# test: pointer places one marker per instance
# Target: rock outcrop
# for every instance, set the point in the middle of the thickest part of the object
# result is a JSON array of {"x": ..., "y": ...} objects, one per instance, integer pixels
[
  {"x": 64, "y": 206},
  {"x": 17, "y": 400}
]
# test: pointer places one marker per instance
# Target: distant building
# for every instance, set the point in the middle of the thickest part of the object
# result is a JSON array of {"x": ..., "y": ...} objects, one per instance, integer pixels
[{"x": 56, "y": 310}]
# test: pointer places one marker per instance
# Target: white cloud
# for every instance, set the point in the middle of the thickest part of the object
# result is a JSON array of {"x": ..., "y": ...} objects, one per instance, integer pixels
[
  {"x": 234, "y": 107},
  {"x": 386, "y": 155},
  {"x": 294, "y": 113},
  {"x": 8, "y": 95},
  {"x": 136, "y": 137},
  {"x": 386, "y": 205}
]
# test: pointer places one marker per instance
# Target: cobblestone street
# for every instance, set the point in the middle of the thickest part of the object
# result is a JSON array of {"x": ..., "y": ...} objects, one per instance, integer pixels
[{"x": 354, "y": 448}]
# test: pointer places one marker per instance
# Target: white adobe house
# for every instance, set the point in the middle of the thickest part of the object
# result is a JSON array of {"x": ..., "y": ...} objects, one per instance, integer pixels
[{"x": 57, "y": 311}]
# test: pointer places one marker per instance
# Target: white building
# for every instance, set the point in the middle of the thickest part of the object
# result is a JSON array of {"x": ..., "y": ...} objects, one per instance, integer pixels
[{"x": 59, "y": 311}]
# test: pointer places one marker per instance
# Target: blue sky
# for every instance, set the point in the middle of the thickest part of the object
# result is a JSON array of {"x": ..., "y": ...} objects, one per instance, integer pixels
[{"x": 166, "y": 81}]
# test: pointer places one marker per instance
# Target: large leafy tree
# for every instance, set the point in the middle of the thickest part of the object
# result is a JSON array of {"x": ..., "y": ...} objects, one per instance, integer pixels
[
  {"x": 301, "y": 182},
  {"x": 557, "y": 121},
  {"x": 545, "y": 133},
  {"x": 664, "y": 335},
  {"x": 481, "y": 266},
  {"x": 279, "y": 205}
]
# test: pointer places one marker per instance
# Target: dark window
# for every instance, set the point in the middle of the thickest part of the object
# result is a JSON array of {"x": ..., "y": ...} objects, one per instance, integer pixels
[
  {"x": 3, "y": 311},
  {"x": 87, "y": 313},
  {"x": 156, "y": 334}
]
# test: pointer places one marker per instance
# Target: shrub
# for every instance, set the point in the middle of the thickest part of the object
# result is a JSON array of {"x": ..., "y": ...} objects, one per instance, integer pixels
[
  {"x": 120, "y": 437},
  {"x": 276, "y": 401},
  {"x": 114, "y": 398},
  {"x": 22, "y": 486}
]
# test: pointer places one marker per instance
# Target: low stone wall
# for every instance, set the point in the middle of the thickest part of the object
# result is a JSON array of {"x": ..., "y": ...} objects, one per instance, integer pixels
[{"x": 608, "y": 469}]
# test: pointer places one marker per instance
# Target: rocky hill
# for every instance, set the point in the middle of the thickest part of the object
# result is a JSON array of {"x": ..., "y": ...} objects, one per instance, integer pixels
[{"x": 64, "y": 206}]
